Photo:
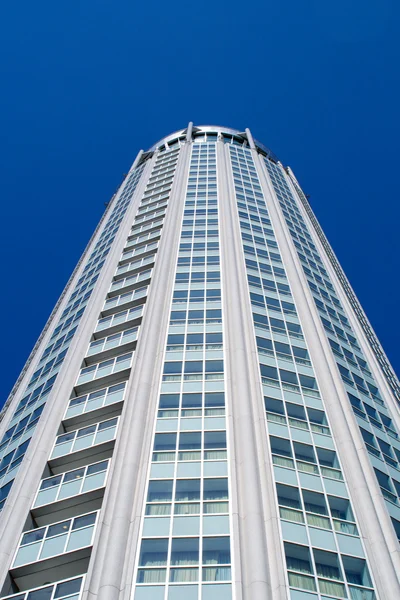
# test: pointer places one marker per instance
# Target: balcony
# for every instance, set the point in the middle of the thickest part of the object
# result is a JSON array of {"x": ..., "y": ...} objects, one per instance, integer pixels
[
  {"x": 105, "y": 372},
  {"x": 134, "y": 266},
  {"x": 156, "y": 200},
  {"x": 147, "y": 227},
  {"x": 70, "y": 494},
  {"x": 111, "y": 345},
  {"x": 135, "y": 242},
  {"x": 130, "y": 282},
  {"x": 60, "y": 590},
  {"x": 126, "y": 300},
  {"x": 90, "y": 408},
  {"x": 77, "y": 448},
  {"x": 61, "y": 549},
  {"x": 140, "y": 252},
  {"x": 115, "y": 323}
]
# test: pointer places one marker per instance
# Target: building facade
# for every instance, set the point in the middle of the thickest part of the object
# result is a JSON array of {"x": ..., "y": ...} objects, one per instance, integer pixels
[{"x": 208, "y": 414}]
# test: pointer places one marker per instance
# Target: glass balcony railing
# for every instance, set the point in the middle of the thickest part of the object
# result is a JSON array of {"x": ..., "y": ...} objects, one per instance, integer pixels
[
  {"x": 124, "y": 298},
  {"x": 120, "y": 317},
  {"x": 140, "y": 250},
  {"x": 95, "y": 400},
  {"x": 84, "y": 438},
  {"x": 106, "y": 367},
  {"x": 53, "y": 540},
  {"x": 147, "y": 218},
  {"x": 136, "y": 264},
  {"x": 152, "y": 206},
  {"x": 139, "y": 229},
  {"x": 131, "y": 280},
  {"x": 71, "y": 484},
  {"x": 148, "y": 237},
  {"x": 67, "y": 589},
  {"x": 113, "y": 341}
]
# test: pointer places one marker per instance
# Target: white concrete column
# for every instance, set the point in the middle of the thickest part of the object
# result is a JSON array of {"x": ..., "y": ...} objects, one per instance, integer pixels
[
  {"x": 250, "y": 139},
  {"x": 258, "y": 557},
  {"x": 189, "y": 132},
  {"x": 117, "y": 539}
]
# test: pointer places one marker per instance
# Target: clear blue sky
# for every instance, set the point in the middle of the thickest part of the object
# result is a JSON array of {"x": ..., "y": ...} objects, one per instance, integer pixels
[{"x": 86, "y": 84}]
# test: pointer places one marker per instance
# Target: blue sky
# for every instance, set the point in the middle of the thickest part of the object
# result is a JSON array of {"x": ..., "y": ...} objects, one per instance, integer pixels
[{"x": 86, "y": 84}]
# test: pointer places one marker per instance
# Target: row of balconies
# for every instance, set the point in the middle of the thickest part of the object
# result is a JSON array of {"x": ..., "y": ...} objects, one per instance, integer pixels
[
  {"x": 56, "y": 543},
  {"x": 59, "y": 531},
  {"x": 60, "y": 528},
  {"x": 61, "y": 590}
]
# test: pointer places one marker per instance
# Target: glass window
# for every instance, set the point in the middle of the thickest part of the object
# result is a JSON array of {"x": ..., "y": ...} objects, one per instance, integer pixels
[
  {"x": 185, "y": 551},
  {"x": 216, "y": 550},
  {"x": 214, "y": 399},
  {"x": 153, "y": 553},
  {"x": 165, "y": 441},
  {"x": 214, "y": 439},
  {"x": 169, "y": 401},
  {"x": 190, "y": 441},
  {"x": 191, "y": 400},
  {"x": 41, "y": 594},
  {"x": 160, "y": 491}
]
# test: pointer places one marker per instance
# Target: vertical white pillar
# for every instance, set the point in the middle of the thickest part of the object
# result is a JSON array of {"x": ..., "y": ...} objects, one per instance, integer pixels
[
  {"x": 258, "y": 557},
  {"x": 117, "y": 538},
  {"x": 189, "y": 132}
]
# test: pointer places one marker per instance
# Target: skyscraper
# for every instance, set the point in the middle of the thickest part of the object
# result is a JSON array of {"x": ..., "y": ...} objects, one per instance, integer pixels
[{"x": 208, "y": 414}]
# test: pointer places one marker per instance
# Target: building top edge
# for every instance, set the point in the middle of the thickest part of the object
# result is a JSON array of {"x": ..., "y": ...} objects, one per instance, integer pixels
[{"x": 198, "y": 130}]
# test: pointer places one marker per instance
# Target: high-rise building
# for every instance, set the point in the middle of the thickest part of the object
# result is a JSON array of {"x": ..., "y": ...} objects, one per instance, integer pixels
[{"x": 208, "y": 414}]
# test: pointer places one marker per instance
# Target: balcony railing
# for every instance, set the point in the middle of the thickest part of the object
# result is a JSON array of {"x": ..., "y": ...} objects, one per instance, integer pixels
[
  {"x": 95, "y": 400},
  {"x": 59, "y": 538},
  {"x": 124, "y": 298},
  {"x": 104, "y": 368},
  {"x": 131, "y": 280},
  {"x": 67, "y": 589},
  {"x": 71, "y": 484},
  {"x": 138, "y": 229},
  {"x": 119, "y": 318},
  {"x": 146, "y": 218},
  {"x": 113, "y": 341},
  {"x": 147, "y": 237},
  {"x": 84, "y": 438},
  {"x": 135, "y": 265}
]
